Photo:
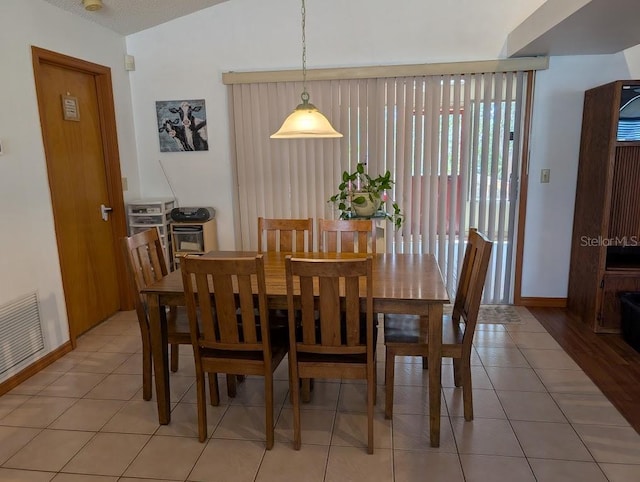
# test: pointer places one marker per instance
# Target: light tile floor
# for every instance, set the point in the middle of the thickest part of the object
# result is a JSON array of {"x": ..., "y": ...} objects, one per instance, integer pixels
[{"x": 537, "y": 417}]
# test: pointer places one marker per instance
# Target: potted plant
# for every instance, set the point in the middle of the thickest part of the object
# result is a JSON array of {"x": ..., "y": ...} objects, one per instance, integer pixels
[{"x": 360, "y": 195}]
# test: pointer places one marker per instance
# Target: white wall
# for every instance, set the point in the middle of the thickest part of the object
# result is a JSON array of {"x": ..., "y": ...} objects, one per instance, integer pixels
[
  {"x": 632, "y": 56},
  {"x": 555, "y": 145},
  {"x": 185, "y": 59},
  {"x": 29, "y": 256}
]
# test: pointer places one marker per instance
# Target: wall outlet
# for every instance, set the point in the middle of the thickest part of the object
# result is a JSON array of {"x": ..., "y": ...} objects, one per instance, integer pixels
[{"x": 545, "y": 175}]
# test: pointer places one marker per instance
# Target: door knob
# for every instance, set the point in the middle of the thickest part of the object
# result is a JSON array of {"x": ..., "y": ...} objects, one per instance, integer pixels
[{"x": 104, "y": 212}]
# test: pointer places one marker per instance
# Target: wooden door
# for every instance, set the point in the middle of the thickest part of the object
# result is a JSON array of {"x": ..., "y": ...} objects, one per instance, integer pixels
[{"x": 78, "y": 130}]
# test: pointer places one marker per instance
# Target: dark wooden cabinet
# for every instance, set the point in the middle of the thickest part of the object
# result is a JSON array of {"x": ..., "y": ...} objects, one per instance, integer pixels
[{"x": 605, "y": 247}]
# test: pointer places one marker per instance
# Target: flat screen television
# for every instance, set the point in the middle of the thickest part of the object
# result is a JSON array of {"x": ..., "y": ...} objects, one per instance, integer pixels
[{"x": 629, "y": 119}]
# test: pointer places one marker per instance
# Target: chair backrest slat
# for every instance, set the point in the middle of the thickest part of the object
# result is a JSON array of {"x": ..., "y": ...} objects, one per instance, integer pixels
[
  {"x": 352, "y": 312},
  {"x": 308, "y": 310},
  {"x": 247, "y": 309},
  {"x": 208, "y": 321},
  {"x": 329, "y": 308},
  {"x": 346, "y": 235},
  {"x": 225, "y": 308},
  {"x": 287, "y": 235}
]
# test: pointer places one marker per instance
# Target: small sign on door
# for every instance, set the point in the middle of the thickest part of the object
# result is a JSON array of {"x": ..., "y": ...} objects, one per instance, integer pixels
[{"x": 70, "y": 109}]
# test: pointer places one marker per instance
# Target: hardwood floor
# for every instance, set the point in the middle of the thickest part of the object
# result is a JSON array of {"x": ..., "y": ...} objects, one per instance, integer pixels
[{"x": 612, "y": 364}]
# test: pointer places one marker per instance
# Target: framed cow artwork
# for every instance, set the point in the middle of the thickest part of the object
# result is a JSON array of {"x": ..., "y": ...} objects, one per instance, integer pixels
[{"x": 182, "y": 125}]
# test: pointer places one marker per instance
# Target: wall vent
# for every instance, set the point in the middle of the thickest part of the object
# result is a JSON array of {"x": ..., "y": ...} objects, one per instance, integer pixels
[{"x": 20, "y": 331}]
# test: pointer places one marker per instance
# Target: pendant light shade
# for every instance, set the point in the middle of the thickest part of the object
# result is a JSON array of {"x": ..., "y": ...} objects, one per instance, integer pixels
[{"x": 306, "y": 121}]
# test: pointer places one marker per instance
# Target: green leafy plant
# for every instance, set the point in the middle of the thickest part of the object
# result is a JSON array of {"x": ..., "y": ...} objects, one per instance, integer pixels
[{"x": 360, "y": 195}]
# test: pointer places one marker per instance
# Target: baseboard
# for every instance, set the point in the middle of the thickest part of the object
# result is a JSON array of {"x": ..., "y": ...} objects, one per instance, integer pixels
[
  {"x": 35, "y": 367},
  {"x": 542, "y": 302}
]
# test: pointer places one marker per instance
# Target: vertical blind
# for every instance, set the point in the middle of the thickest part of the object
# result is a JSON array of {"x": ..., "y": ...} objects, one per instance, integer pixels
[{"x": 451, "y": 142}]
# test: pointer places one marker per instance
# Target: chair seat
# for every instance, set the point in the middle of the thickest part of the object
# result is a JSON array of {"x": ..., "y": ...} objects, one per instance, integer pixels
[
  {"x": 360, "y": 358},
  {"x": 406, "y": 329},
  {"x": 279, "y": 347}
]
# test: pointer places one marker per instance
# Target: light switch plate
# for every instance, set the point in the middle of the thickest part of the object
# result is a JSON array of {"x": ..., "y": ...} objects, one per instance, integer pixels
[
  {"x": 545, "y": 175},
  {"x": 1, "y": 148},
  {"x": 129, "y": 63}
]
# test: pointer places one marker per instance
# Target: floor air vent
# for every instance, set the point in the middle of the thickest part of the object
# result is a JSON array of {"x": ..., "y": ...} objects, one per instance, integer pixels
[{"x": 20, "y": 331}]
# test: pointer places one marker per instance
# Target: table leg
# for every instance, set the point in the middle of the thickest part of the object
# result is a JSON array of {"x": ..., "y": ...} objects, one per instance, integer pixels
[
  {"x": 160, "y": 355},
  {"x": 435, "y": 372}
]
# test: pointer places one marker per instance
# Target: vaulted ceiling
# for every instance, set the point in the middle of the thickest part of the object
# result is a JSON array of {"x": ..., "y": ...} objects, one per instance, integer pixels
[{"x": 558, "y": 27}]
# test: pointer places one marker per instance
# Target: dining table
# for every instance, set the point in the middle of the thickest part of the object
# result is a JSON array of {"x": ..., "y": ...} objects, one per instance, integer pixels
[{"x": 402, "y": 284}]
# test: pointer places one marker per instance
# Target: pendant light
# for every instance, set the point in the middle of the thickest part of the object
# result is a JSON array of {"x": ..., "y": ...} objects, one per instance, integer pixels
[{"x": 306, "y": 121}]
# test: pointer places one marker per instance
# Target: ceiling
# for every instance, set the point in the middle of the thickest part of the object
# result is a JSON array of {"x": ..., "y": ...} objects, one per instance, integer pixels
[
  {"x": 558, "y": 27},
  {"x": 130, "y": 16},
  {"x": 577, "y": 27}
]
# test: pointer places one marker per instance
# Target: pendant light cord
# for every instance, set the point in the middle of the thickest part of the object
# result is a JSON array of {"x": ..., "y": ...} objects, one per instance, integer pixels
[{"x": 305, "y": 94}]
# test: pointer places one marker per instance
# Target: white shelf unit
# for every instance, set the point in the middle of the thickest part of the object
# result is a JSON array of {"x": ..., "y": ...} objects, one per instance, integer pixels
[{"x": 147, "y": 213}]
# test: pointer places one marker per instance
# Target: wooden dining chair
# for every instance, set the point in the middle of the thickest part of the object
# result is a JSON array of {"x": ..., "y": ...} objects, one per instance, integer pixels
[
  {"x": 346, "y": 236},
  {"x": 403, "y": 335},
  {"x": 338, "y": 345},
  {"x": 286, "y": 235},
  {"x": 146, "y": 264},
  {"x": 226, "y": 334}
]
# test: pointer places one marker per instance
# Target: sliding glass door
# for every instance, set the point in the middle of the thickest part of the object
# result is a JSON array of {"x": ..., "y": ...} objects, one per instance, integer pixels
[{"x": 454, "y": 146}]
